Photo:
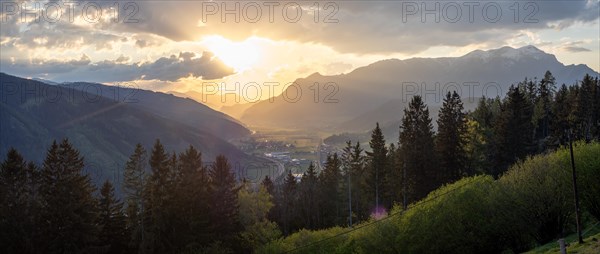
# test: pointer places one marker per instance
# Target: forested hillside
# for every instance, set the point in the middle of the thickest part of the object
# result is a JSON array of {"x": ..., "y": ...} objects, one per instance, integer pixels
[{"x": 491, "y": 180}]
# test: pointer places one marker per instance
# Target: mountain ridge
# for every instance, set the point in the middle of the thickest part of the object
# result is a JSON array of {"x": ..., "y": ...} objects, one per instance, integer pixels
[
  {"x": 475, "y": 74},
  {"x": 105, "y": 131}
]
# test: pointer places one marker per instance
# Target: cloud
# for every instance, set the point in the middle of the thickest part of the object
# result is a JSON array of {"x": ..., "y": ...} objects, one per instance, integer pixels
[
  {"x": 141, "y": 43},
  {"x": 172, "y": 68},
  {"x": 365, "y": 27},
  {"x": 122, "y": 59},
  {"x": 60, "y": 35},
  {"x": 361, "y": 27},
  {"x": 573, "y": 49}
]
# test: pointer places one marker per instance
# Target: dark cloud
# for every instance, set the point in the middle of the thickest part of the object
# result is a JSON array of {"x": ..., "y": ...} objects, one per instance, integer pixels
[
  {"x": 171, "y": 68},
  {"x": 368, "y": 27},
  {"x": 122, "y": 59},
  {"x": 347, "y": 26},
  {"x": 141, "y": 43}
]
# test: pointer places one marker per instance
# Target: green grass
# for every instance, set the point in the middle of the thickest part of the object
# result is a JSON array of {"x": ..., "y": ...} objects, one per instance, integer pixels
[{"x": 591, "y": 243}]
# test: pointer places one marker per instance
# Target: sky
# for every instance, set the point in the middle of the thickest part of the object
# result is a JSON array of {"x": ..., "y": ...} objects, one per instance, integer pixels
[{"x": 193, "y": 45}]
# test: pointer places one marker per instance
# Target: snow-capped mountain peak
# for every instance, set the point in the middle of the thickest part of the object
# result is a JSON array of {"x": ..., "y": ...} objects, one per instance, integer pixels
[{"x": 514, "y": 54}]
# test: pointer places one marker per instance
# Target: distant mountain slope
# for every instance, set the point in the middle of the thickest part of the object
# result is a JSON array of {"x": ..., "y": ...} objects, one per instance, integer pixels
[
  {"x": 182, "y": 110},
  {"x": 32, "y": 114},
  {"x": 368, "y": 89},
  {"x": 212, "y": 101},
  {"x": 236, "y": 110}
]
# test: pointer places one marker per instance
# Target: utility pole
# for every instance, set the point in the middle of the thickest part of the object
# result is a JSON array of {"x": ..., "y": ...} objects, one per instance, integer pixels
[{"x": 577, "y": 216}]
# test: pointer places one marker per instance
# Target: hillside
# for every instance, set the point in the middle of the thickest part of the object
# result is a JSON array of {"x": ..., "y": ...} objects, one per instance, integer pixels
[
  {"x": 106, "y": 131},
  {"x": 477, "y": 214},
  {"x": 183, "y": 110}
]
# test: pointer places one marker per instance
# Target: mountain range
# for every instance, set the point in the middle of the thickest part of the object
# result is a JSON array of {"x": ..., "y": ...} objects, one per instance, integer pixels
[{"x": 379, "y": 92}]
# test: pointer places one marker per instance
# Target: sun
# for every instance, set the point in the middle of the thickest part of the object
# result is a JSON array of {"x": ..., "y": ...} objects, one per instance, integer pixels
[{"x": 239, "y": 55}]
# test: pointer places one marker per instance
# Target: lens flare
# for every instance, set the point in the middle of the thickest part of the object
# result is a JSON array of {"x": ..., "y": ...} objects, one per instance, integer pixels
[{"x": 379, "y": 212}]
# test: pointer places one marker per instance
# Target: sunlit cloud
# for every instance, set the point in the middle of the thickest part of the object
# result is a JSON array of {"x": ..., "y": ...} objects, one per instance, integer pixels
[{"x": 356, "y": 34}]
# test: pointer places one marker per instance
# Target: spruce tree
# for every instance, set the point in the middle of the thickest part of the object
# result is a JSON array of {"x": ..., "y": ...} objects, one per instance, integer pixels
[
  {"x": 309, "y": 198},
  {"x": 352, "y": 161},
  {"x": 224, "y": 210},
  {"x": 114, "y": 237},
  {"x": 19, "y": 205},
  {"x": 514, "y": 130},
  {"x": 157, "y": 200},
  {"x": 69, "y": 210},
  {"x": 192, "y": 200},
  {"x": 561, "y": 119},
  {"x": 377, "y": 166},
  {"x": 450, "y": 140},
  {"x": 546, "y": 92},
  {"x": 133, "y": 186},
  {"x": 482, "y": 136},
  {"x": 330, "y": 193},
  {"x": 587, "y": 105},
  {"x": 417, "y": 150},
  {"x": 269, "y": 186},
  {"x": 288, "y": 211}
]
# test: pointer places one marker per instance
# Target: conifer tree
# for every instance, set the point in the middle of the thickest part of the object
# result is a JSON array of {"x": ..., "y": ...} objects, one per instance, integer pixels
[
  {"x": 19, "y": 206},
  {"x": 133, "y": 186},
  {"x": 309, "y": 199},
  {"x": 450, "y": 140},
  {"x": 69, "y": 210},
  {"x": 113, "y": 237},
  {"x": 192, "y": 200},
  {"x": 482, "y": 136},
  {"x": 587, "y": 105},
  {"x": 514, "y": 130},
  {"x": 157, "y": 200},
  {"x": 330, "y": 193},
  {"x": 288, "y": 196},
  {"x": 417, "y": 150},
  {"x": 546, "y": 92},
  {"x": 268, "y": 184},
  {"x": 377, "y": 166},
  {"x": 352, "y": 161},
  {"x": 561, "y": 119},
  {"x": 223, "y": 192}
]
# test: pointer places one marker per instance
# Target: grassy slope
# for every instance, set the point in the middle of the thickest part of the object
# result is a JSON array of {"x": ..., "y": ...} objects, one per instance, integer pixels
[{"x": 591, "y": 243}]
